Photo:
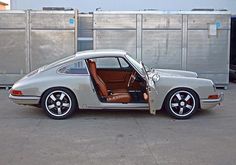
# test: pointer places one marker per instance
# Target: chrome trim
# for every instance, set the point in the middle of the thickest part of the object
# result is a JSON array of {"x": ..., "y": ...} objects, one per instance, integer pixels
[
  {"x": 24, "y": 99},
  {"x": 121, "y": 106}
]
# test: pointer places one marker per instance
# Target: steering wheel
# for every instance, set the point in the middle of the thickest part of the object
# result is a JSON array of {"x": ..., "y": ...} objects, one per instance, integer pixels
[{"x": 132, "y": 78}]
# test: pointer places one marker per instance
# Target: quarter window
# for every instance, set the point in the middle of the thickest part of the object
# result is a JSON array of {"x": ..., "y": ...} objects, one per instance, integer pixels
[
  {"x": 123, "y": 63},
  {"x": 78, "y": 67}
]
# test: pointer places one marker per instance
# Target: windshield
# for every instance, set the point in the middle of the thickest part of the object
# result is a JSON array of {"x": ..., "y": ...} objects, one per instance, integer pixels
[{"x": 137, "y": 64}]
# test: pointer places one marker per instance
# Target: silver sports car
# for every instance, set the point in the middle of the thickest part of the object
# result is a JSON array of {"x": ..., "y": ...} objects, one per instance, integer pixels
[{"x": 112, "y": 79}]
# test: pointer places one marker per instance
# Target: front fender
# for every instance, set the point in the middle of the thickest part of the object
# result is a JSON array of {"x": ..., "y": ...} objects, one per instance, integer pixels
[{"x": 202, "y": 87}]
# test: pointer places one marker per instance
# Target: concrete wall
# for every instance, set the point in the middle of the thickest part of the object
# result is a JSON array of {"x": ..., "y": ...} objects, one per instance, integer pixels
[{"x": 91, "y": 5}]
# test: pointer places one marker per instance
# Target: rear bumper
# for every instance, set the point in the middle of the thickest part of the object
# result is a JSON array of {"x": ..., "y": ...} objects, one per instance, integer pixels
[
  {"x": 210, "y": 103},
  {"x": 25, "y": 100}
]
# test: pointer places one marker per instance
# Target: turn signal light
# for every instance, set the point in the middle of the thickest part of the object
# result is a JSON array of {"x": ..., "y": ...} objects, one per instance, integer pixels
[
  {"x": 16, "y": 92},
  {"x": 213, "y": 97}
]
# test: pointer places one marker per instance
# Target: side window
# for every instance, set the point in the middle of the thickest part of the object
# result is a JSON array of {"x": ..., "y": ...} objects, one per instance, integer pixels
[
  {"x": 78, "y": 67},
  {"x": 123, "y": 63},
  {"x": 107, "y": 62}
]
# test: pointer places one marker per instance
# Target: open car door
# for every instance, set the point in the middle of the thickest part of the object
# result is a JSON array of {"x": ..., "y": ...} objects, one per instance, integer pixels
[{"x": 152, "y": 92}]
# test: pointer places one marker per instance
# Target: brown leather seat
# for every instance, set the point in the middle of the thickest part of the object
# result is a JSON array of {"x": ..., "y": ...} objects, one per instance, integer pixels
[
  {"x": 120, "y": 91},
  {"x": 115, "y": 96}
]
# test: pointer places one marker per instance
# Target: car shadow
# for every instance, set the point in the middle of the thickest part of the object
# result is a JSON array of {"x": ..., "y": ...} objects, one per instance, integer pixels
[
  {"x": 162, "y": 114},
  {"x": 35, "y": 112},
  {"x": 104, "y": 113},
  {"x": 204, "y": 113}
]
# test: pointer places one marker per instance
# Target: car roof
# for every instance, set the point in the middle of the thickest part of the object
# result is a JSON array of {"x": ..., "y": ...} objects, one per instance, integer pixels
[{"x": 99, "y": 53}]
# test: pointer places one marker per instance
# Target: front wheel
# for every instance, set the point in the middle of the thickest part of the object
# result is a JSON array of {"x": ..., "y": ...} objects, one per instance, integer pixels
[
  {"x": 59, "y": 103},
  {"x": 182, "y": 103}
]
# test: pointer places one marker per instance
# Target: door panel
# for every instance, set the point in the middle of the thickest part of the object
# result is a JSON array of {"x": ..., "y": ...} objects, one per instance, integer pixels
[{"x": 152, "y": 93}]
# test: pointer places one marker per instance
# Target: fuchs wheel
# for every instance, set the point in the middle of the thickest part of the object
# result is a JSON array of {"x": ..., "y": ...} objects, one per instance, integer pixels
[
  {"x": 59, "y": 103},
  {"x": 182, "y": 103}
]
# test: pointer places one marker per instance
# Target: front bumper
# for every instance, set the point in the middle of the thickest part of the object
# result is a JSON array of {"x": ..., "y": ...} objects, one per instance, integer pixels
[
  {"x": 25, "y": 100},
  {"x": 210, "y": 103}
]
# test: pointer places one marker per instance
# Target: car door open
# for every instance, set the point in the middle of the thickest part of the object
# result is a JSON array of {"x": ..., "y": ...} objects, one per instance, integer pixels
[{"x": 151, "y": 90}]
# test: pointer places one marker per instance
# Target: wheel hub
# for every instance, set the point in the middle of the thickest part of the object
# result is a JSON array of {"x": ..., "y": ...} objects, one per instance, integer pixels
[
  {"x": 182, "y": 103},
  {"x": 58, "y": 103}
]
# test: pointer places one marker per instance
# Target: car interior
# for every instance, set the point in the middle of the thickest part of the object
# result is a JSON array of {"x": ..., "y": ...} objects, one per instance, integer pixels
[{"x": 116, "y": 81}]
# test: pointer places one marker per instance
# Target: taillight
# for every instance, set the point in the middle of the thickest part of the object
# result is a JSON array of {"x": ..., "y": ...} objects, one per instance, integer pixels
[
  {"x": 213, "y": 97},
  {"x": 16, "y": 92}
]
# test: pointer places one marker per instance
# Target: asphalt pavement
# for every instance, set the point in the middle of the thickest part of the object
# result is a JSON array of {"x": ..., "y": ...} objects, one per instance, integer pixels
[{"x": 104, "y": 137}]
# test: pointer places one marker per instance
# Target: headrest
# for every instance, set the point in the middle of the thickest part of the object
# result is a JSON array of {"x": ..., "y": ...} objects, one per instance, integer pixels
[{"x": 92, "y": 65}]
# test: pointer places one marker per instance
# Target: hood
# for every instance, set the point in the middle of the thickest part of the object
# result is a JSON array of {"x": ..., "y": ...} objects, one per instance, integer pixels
[{"x": 175, "y": 73}]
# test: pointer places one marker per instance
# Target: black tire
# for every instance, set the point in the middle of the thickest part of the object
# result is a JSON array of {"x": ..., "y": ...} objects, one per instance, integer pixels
[
  {"x": 59, "y": 103},
  {"x": 181, "y": 103}
]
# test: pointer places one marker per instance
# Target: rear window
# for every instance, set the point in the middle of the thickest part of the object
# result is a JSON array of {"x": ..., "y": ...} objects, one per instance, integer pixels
[{"x": 78, "y": 67}]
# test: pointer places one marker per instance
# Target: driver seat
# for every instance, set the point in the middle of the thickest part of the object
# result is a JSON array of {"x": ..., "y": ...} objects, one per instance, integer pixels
[{"x": 116, "y": 96}]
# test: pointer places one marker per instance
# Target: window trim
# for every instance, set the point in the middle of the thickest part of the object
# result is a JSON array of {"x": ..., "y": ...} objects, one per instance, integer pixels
[
  {"x": 117, "y": 58},
  {"x": 70, "y": 63},
  {"x": 129, "y": 66}
]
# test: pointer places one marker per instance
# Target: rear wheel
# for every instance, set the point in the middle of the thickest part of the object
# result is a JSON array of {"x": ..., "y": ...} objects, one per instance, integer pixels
[
  {"x": 59, "y": 103},
  {"x": 182, "y": 103}
]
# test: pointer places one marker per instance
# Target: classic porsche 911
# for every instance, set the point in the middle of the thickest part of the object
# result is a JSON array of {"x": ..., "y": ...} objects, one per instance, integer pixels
[{"x": 112, "y": 79}]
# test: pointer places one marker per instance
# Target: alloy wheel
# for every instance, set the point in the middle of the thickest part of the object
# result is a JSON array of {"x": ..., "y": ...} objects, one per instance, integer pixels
[
  {"x": 58, "y": 103},
  {"x": 182, "y": 103}
]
